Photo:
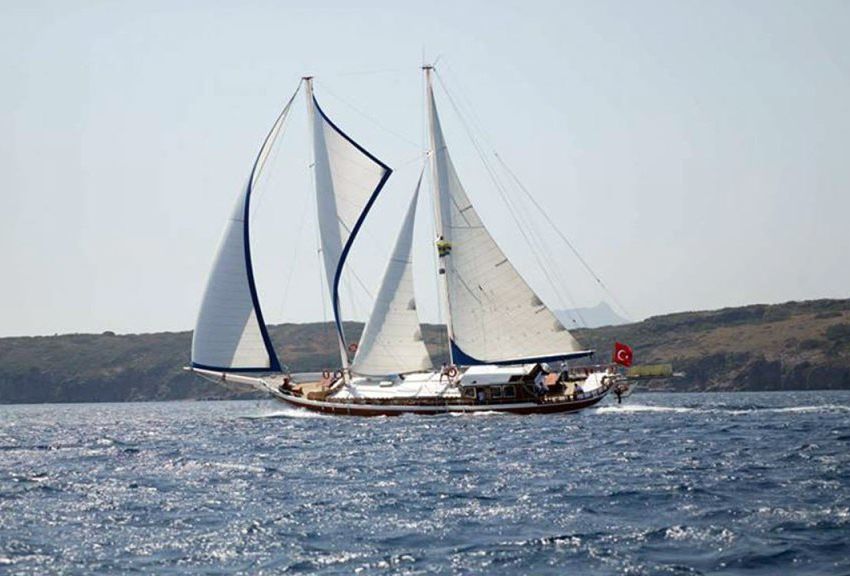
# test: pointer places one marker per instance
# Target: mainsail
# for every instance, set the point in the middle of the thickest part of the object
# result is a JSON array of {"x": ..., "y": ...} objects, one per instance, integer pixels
[
  {"x": 348, "y": 179},
  {"x": 230, "y": 333},
  {"x": 494, "y": 317},
  {"x": 392, "y": 339}
]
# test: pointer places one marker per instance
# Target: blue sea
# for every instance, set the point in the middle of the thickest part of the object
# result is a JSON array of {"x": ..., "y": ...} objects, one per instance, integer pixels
[{"x": 663, "y": 484}]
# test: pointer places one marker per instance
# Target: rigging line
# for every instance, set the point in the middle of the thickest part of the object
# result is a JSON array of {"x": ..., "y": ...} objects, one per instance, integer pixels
[
  {"x": 474, "y": 119},
  {"x": 378, "y": 341},
  {"x": 558, "y": 284},
  {"x": 539, "y": 208},
  {"x": 264, "y": 177},
  {"x": 561, "y": 285},
  {"x": 329, "y": 329},
  {"x": 269, "y": 145},
  {"x": 503, "y": 194},
  {"x": 296, "y": 253},
  {"x": 368, "y": 117},
  {"x": 467, "y": 102},
  {"x": 361, "y": 283},
  {"x": 561, "y": 234},
  {"x": 353, "y": 308},
  {"x": 418, "y": 157},
  {"x": 367, "y": 72}
]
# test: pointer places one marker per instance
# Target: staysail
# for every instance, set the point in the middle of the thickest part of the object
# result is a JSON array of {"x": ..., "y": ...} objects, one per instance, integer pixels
[
  {"x": 230, "y": 333},
  {"x": 494, "y": 317},
  {"x": 348, "y": 179},
  {"x": 392, "y": 339}
]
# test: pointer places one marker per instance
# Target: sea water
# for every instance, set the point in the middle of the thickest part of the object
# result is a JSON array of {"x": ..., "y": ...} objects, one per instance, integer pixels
[{"x": 663, "y": 484}]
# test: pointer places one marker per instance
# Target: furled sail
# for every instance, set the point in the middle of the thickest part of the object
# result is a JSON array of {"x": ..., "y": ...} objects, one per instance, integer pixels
[
  {"x": 392, "y": 339},
  {"x": 494, "y": 317},
  {"x": 230, "y": 333},
  {"x": 348, "y": 179}
]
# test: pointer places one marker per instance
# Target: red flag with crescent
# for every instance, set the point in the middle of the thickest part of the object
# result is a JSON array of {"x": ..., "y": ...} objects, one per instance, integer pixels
[{"x": 622, "y": 354}]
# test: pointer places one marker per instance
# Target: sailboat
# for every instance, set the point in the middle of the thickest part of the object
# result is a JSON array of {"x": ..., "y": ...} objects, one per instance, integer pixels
[{"x": 502, "y": 339}]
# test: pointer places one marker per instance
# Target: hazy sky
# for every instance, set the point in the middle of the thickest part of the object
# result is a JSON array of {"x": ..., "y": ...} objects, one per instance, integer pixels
[{"x": 696, "y": 153}]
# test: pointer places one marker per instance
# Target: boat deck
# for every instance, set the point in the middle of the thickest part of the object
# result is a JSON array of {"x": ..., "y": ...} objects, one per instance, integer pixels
[{"x": 324, "y": 397}]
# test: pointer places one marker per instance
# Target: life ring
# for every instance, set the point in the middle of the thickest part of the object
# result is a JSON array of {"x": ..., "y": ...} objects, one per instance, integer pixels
[
  {"x": 451, "y": 371},
  {"x": 352, "y": 347},
  {"x": 326, "y": 374}
]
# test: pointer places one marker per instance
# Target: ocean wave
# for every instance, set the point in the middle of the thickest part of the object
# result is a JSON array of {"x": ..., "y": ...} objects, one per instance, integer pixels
[
  {"x": 286, "y": 413},
  {"x": 662, "y": 484},
  {"x": 638, "y": 408}
]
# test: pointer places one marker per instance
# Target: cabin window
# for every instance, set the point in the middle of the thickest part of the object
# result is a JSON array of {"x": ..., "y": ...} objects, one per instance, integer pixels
[
  {"x": 495, "y": 392},
  {"x": 469, "y": 392},
  {"x": 509, "y": 392}
]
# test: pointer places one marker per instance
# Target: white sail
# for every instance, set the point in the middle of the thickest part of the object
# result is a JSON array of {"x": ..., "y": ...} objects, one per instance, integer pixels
[
  {"x": 392, "y": 339},
  {"x": 493, "y": 315},
  {"x": 230, "y": 333},
  {"x": 348, "y": 179}
]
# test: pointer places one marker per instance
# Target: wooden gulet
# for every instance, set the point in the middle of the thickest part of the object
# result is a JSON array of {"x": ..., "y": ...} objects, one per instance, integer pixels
[{"x": 507, "y": 351}]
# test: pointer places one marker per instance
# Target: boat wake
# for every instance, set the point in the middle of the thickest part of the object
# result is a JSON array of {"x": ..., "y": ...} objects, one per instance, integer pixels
[
  {"x": 634, "y": 408},
  {"x": 285, "y": 413},
  {"x": 734, "y": 411}
]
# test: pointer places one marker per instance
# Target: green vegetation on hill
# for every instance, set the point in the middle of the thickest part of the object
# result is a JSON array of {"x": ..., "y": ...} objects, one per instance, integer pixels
[
  {"x": 797, "y": 345},
  {"x": 791, "y": 346}
]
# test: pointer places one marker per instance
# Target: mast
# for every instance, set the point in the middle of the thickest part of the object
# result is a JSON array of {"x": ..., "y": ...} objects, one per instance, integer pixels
[
  {"x": 435, "y": 194},
  {"x": 348, "y": 179},
  {"x": 317, "y": 148},
  {"x": 493, "y": 315}
]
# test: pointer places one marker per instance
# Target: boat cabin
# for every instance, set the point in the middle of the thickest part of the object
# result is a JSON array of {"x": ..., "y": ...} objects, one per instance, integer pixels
[{"x": 506, "y": 384}]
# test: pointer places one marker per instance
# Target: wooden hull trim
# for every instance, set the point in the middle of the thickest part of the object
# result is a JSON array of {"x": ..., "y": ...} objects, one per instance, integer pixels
[{"x": 352, "y": 409}]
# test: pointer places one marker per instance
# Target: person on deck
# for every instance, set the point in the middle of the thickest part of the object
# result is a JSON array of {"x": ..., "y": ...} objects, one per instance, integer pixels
[{"x": 540, "y": 380}]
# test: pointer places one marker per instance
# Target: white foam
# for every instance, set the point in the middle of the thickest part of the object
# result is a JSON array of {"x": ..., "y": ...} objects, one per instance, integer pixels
[
  {"x": 632, "y": 408},
  {"x": 479, "y": 413},
  {"x": 637, "y": 408},
  {"x": 793, "y": 409},
  {"x": 294, "y": 413}
]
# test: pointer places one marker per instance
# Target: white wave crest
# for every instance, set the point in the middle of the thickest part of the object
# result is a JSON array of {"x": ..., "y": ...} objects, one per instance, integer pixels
[
  {"x": 638, "y": 408},
  {"x": 633, "y": 408},
  {"x": 293, "y": 413}
]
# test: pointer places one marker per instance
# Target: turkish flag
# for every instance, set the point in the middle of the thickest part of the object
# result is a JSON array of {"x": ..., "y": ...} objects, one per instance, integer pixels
[{"x": 622, "y": 354}]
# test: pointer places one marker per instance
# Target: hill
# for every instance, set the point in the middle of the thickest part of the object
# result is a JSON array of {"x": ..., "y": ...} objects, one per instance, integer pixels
[
  {"x": 796, "y": 345},
  {"x": 791, "y": 346}
]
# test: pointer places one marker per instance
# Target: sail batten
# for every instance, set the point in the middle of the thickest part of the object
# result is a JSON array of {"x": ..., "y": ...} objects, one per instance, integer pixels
[
  {"x": 348, "y": 180},
  {"x": 392, "y": 339},
  {"x": 494, "y": 317}
]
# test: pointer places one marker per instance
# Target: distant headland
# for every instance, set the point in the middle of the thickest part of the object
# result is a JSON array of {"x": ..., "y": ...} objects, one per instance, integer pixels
[{"x": 790, "y": 346}]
